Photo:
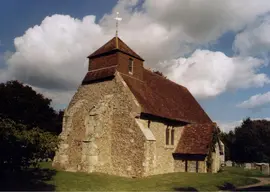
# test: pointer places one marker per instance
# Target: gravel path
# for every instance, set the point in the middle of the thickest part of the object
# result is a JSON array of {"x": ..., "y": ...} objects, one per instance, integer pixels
[{"x": 263, "y": 181}]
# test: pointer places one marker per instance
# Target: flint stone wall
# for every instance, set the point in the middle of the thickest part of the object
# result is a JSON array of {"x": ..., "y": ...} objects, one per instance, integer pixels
[
  {"x": 161, "y": 158},
  {"x": 187, "y": 165},
  {"x": 100, "y": 133}
]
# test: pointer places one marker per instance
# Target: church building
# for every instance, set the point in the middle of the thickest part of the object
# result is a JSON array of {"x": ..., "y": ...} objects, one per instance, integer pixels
[{"x": 129, "y": 121}]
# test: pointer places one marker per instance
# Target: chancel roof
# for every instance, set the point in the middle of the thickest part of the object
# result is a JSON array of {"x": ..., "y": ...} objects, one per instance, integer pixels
[{"x": 195, "y": 139}]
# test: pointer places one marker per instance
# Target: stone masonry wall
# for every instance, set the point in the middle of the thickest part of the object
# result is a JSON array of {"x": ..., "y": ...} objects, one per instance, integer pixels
[
  {"x": 216, "y": 161},
  {"x": 127, "y": 139},
  {"x": 99, "y": 131},
  {"x": 180, "y": 165},
  {"x": 202, "y": 167},
  {"x": 150, "y": 158},
  {"x": 163, "y": 158},
  {"x": 159, "y": 156}
]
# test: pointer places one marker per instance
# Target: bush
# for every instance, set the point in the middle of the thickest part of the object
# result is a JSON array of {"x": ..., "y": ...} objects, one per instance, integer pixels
[{"x": 22, "y": 147}]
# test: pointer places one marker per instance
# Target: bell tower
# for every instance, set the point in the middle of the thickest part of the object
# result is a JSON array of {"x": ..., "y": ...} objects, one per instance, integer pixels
[{"x": 116, "y": 54}]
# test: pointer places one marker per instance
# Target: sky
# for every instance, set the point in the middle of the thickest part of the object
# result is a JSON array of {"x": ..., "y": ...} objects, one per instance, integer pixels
[{"x": 218, "y": 49}]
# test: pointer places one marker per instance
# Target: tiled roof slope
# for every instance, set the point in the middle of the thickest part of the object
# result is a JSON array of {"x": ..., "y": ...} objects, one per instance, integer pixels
[
  {"x": 195, "y": 139},
  {"x": 111, "y": 45},
  {"x": 161, "y": 97},
  {"x": 99, "y": 74}
]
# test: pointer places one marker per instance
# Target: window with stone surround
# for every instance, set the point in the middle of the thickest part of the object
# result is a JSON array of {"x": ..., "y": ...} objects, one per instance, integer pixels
[
  {"x": 130, "y": 66},
  {"x": 169, "y": 136}
]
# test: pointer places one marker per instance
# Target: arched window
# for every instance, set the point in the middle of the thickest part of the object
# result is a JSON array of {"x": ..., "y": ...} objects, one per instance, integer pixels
[
  {"x": 167, "y": 136},
  {"x": 172, "y": 136}
]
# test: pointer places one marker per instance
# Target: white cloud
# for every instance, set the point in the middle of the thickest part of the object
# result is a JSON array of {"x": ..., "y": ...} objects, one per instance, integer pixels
[
  {"x": 255, "y": 101},
  {"x": 205, "y": 20},
  {"x": 59, "y": 99},
  {"x": 208, "y": 73},
  {"x": 52, "y": 55},
  {"x": 254, "y": 40},
  {"x": 3, "y": 76},
  {"x": 230, "y": 126},
  {"x": 164, "y": 30}
]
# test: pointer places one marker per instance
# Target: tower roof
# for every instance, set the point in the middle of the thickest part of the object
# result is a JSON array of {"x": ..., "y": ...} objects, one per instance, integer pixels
[{"x": 115, "y": 44}]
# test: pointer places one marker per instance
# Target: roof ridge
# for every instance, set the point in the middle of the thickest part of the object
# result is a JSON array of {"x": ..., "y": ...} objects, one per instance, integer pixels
[{"x": 131, "y": 77}]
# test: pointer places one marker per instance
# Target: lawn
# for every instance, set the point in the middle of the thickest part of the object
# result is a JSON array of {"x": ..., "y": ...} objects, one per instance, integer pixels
[
  {"x": 47, "y": 178},
  {"x": 244, "y": 172}
]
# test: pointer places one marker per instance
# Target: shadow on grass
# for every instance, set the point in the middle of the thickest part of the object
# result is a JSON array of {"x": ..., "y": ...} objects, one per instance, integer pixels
[
  {"x": 258, "y": 188},
  {"x": 31, "y": 180},
  {"x": 227, "y": 187},
  {"x": 185, "y": 189}
]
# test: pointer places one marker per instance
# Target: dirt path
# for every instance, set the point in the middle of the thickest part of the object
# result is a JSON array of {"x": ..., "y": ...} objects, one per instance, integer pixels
[{"x": 263, "y": 181}]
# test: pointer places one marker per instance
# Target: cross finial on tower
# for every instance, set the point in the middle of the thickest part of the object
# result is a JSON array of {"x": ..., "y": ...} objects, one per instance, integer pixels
[{"x": 117, "y": 18}]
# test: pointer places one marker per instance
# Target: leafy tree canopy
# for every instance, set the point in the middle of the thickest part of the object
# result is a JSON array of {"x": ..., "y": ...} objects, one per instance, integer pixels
[
  {"x": 23, "y": 105},
  {"x": 21, "y": 147},
  {"x": 159, "y": 73},
  {"x": 249, "y": 142},
  {"x": 28, "y": 127}
]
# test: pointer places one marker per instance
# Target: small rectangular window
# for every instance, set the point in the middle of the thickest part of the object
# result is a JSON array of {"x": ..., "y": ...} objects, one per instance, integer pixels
[
  {"x": 172, "y": 136},
  {"x": 167, "y": 135},
  {"x": 130, "y": 66}
]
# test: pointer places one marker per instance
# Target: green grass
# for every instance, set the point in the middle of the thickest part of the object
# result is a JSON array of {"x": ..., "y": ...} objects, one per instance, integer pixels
[
  {"x": 244, "y": 172},
  {"x": 50, "y": 179},
  {"x": 65, "y": 181}
]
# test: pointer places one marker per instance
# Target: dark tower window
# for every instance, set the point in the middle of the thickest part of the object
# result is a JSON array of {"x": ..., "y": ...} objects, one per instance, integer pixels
[
  {"x": 172, "y": 136},
  {"x": 130, "y": 66},
  {"x": 167, "y": 135}
]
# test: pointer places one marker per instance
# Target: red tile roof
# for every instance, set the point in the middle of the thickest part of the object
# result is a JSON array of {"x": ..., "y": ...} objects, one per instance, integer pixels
[
  {"x": 195, "y": 139},
  {"x": 99, "y": 74},
  {"x": 161, "y": 97},
  {"x": 111, "y": 46}
]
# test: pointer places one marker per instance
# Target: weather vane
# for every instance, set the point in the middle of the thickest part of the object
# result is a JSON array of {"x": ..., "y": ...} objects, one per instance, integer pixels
[{"x": 117, "y": 18}]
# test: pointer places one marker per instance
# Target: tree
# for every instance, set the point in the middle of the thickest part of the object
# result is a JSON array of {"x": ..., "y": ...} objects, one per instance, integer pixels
[
  {"x": 249, "y": 142},
  {"x": 22, "y": 147},
  {"x": 23, "y": 105},
  {"x": 159, "y": 73}
]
